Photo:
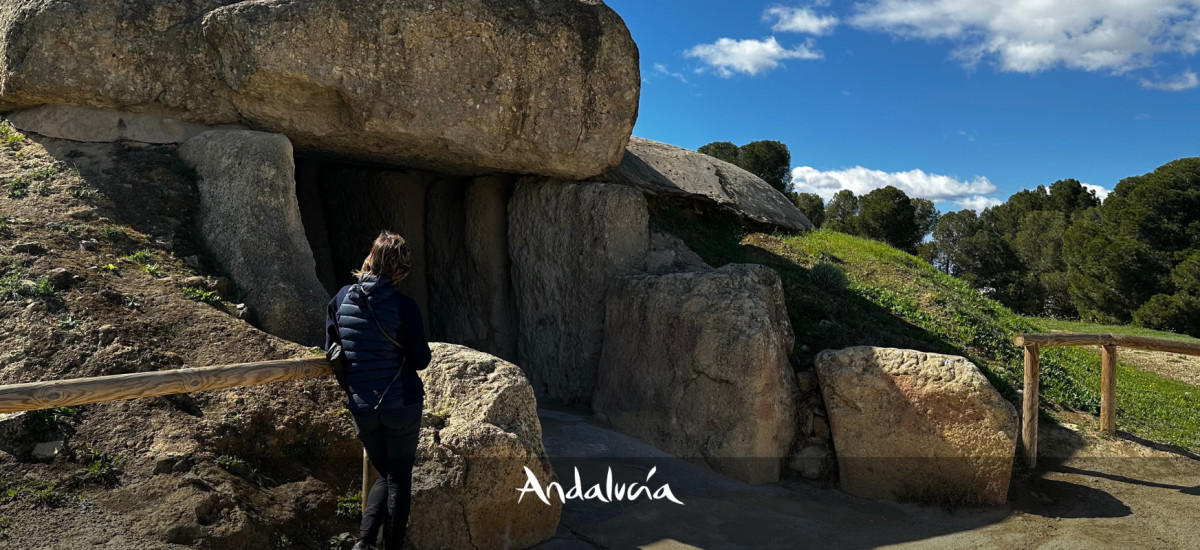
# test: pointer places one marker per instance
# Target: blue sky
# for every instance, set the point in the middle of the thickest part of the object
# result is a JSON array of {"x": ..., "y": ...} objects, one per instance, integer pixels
[{"x": 963, "y": 102}]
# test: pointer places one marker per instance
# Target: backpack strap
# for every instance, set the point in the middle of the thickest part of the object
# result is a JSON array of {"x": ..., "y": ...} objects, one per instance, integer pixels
[{"x": 403, "y": 357}]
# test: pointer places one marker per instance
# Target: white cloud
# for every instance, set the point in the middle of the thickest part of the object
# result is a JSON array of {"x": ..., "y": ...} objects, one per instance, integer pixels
[
  {"x": 1029, "y": 36},
  {"x": 978, "y": 203},
  {"x": 914, "y": 183},
  {"x": 661, "y": 69},
  {"x": 729, "y": 56},
  {"x": 802, "y": 20},
  {"x": 1100, "y": 191},
  {"x": 1178, "y": 83}
]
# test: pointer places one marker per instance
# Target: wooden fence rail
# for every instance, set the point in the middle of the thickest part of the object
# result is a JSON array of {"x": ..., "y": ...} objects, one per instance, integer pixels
[
  {"x": 1108, "y": 344},
  {"x": 84, "y": 391}
]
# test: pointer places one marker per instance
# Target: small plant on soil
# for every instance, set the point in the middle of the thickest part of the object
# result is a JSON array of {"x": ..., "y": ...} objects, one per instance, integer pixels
[
  {"x": 18, "y": 188},
  {"x": 69, "y": 322},
  {"x": 103, "y": 468},
  {"x": 9, "y": 136},
  {"x": 242, "y": 469},
  {"x": 200, "y": 295},
  {"x": 153, "y": 270},
  {"x": 349, "y": 505},
  {"x": 44, "y": 189},
  {"x": 141, "y": 257},
  {"x": 46, "y": 420},
  {"x": 111, "y": 268},
  {"x": 827, "y": 276},
  {"x": 6, "y": 231},
  {"x": 115, "y": 233},
  {"x": 341, "y": 541},
  {"x": 43, "y": 289},
  {"x": 5, "y": 522},
  {"x": 82, "y": 191}
]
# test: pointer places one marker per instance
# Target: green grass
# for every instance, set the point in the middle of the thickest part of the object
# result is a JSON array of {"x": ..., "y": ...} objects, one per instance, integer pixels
[
  {"x": 9, "y": 136},
  {"x": 897, "y": 300},
  {"x": 1096, "y": 328},
  {"x": 201, "y": 295}
]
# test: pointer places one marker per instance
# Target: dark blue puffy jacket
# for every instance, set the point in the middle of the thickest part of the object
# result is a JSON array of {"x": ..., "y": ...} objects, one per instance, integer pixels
[{"x": 371, "y": 359}]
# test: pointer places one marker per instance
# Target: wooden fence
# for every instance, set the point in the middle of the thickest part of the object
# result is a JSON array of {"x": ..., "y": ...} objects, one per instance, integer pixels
[
  {"x": 1108, "y": 344},
  {"x": 84, "y": 391}
]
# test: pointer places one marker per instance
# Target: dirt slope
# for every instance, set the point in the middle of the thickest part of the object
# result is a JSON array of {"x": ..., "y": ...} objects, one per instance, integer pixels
[{"x": 96, "y": 261}]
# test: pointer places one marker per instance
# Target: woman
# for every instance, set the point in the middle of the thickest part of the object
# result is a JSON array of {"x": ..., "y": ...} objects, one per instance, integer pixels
[{"x": 383, "y": 338}]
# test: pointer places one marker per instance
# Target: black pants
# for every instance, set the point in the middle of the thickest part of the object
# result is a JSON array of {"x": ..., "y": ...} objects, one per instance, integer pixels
[{"x": 390, "y": 438}]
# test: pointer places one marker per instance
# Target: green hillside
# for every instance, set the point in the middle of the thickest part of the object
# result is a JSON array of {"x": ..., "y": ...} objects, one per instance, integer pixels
[{"x": 895, "y": 299}]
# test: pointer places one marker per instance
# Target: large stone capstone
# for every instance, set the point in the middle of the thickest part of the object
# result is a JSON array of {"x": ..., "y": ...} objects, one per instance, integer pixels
[
  {"x": 918, "y": 426},
  {"x": 665, "y": 170},
  {"x": 480, "y": 432},
  {"x": 696, "y": 364},
  {"x": 545, "y": 87},
  {"x": 250, "y": 220}
]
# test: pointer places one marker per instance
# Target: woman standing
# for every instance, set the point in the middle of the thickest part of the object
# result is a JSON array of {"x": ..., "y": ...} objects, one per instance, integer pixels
[{"x": 383, "y": 338}]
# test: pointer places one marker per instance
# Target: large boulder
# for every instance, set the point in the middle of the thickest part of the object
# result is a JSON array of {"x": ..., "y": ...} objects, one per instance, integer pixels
[
  {"x": 250, "y": 220},
  {"x": 529, "y": 86},
  {"x": 480, "y": 432},
  {"x": 567, "y": 241},
  {"x": 662, "y": 170},
  {"x": 911, "y": 425},
  {"x": 696, "y": 364}
]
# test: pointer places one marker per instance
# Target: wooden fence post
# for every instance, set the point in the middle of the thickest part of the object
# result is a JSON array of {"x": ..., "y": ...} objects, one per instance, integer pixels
[
  {"x": 1029, "y": 405},
  {"x": 369, "y": 475},
  {"x": 1108, "y": 389}
]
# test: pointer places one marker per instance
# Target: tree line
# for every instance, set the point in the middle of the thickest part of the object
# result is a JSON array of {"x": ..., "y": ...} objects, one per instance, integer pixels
[{"x": 1056, "y": 250}]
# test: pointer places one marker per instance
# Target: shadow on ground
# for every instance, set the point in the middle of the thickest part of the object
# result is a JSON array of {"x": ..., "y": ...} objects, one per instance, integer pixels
[{"x": 1071, "y": 501}]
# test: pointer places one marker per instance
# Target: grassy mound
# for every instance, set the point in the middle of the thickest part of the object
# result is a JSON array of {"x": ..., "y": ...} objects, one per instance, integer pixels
[{"x": 894, "y": 299}]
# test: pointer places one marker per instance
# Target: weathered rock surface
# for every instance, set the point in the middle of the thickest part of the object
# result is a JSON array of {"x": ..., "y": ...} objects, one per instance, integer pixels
[
  {"x": 87, "y": 124},
  {"x": 669, "y": 254},
  {"x": 529, "y": 86},
  {"x": 566, "y": 241},
  {"x": 480, "y": 430},
  {"x": 470, "y": 300},
  {"x": 250, "y": 219},
  {"x": 665, "y": 170},
  {"x": 697, "y": 365},
  {"x": 911, "y": 425}
]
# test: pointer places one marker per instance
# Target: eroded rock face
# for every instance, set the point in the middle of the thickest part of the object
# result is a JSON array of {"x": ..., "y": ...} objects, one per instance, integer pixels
[
  {"x": 911, "y": 425},
  {"x": 666, "y": 170},
  {"x": 545, "y": 87},
  {"x": 470, "y": 301},
  {"x": 480, "y": 430},
  {"x": 567, "y": 241},
  {"x": 250, "y": 220},
  {"x": 697, "y": 365}
]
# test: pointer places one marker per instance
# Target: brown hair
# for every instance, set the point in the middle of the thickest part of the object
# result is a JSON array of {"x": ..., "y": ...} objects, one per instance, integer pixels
[{"x": 389, "y": 256}]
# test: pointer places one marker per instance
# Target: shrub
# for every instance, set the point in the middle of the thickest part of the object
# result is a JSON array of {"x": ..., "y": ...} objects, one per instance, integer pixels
[
  {"x": 18, "y": 188},
  {"x": 827, "y": 276},
  {"x": 1174, "y": 313},
  {"x": 200, "y": 295}
]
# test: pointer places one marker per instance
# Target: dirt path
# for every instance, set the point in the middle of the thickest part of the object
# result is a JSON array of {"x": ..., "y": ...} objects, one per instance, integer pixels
[{"x": 1088, "y": 492}]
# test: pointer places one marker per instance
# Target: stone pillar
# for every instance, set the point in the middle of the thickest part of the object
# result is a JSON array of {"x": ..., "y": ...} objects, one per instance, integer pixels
[{"x": 250, "y": 220}]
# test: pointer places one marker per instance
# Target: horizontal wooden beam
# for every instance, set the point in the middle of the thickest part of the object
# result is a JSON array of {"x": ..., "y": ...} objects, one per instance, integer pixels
[
  {"x": 83, "y": 391},
  {"x": 1121, "y": 340}
]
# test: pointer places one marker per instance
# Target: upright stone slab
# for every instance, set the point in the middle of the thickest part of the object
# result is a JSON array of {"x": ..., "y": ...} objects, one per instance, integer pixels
[
  {"x": 567, "y": 241},
  {"x": 697, "y": 364},
  {"x": 470, "y": 298},
  {"x": 250, "y": 220},
  {"x": 911, "y": 425}
]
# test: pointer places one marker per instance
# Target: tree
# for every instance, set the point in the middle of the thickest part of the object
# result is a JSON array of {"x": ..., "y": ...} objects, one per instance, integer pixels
[
  {"x": 926, "y": 216},
  {"x": 887, "y": 214},
  {"x": 811, "y": 205},
  {"x": 841, "y": 212},
  {"x": 722, "y": 150},
  {"x": 767, "y": 159},
  {"x": 949, "y": 240}
]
